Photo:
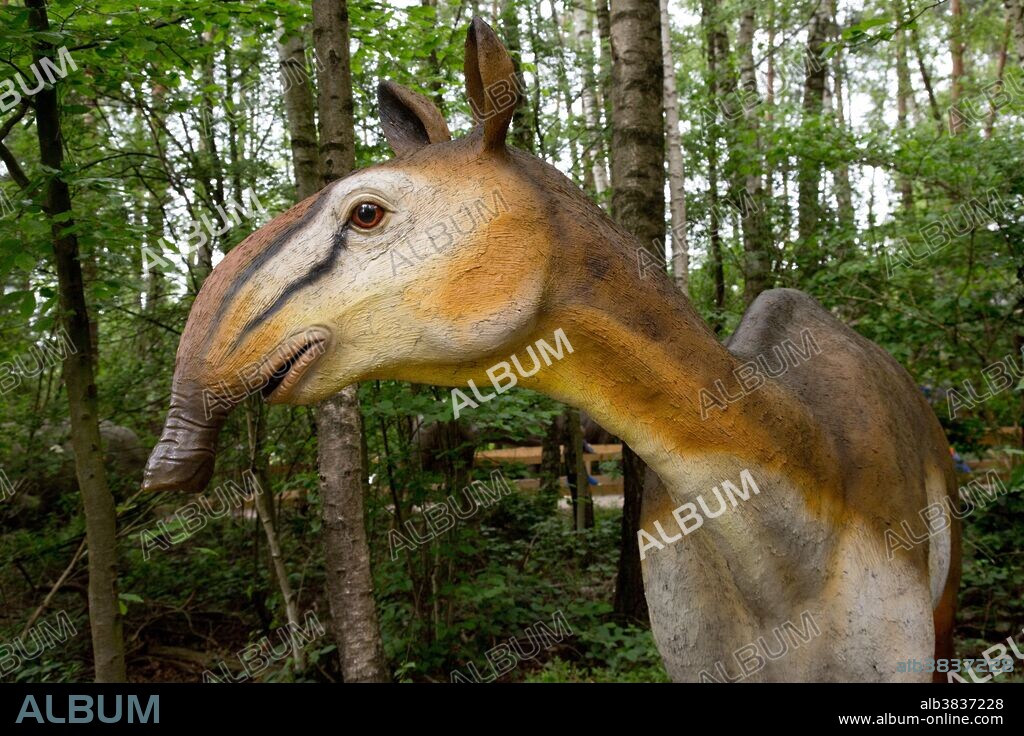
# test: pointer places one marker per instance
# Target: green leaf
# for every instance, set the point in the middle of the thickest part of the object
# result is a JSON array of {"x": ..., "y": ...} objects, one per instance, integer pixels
[
  {"x": 27, "y": 306},
  {"x": 53, "y": 37},
  {"x": 25, "y": 261}
]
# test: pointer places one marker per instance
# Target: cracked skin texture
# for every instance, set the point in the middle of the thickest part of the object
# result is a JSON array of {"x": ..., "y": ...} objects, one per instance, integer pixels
[{"x": 842, "y": 446}]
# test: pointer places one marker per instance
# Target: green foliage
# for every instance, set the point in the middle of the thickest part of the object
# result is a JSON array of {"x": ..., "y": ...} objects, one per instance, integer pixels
[
  {"x": 991, "y": 605},
  {"x": 176, "y": 104}
]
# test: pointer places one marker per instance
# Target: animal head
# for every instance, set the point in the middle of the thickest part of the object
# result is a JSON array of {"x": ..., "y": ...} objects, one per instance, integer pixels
[{"x": 422, "y": 268}]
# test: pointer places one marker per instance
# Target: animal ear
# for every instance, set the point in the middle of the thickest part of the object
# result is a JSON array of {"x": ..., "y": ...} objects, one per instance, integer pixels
[
  {"x": 409, "y": 119},
  {"x": 491, "y": 83}
]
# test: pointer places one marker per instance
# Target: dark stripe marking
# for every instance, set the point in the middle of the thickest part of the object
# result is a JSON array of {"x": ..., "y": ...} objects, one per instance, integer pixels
[
  {"x": 265, "y": 255},
  {"x": 317, "y": 272}
]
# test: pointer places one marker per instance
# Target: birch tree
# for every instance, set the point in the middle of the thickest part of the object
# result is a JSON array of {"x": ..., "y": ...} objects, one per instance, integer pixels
[{"x": 674, "y": 154}]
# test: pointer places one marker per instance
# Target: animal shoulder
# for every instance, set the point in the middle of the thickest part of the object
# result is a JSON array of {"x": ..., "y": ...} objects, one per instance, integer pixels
[{"x": 781, "y": 315}]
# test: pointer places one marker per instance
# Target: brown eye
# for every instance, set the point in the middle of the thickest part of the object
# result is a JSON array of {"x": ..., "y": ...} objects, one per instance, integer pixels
[{"x": 367, "y": 215}]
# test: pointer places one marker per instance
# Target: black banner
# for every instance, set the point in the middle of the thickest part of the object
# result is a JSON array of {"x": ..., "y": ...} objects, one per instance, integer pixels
[{"x": 340, "y": 708}]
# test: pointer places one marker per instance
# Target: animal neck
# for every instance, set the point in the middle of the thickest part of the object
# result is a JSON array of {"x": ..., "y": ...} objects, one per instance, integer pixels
[{"x": 642, "y": 361}]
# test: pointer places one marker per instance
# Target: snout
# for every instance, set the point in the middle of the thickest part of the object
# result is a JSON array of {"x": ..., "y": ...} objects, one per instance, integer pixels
[{"x": 183, "y": 459}]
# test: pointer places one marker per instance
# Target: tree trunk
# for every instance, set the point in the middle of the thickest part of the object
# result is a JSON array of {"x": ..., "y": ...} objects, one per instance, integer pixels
[
  {"x": 210, "y": 171},
  {"x": 300, "y": 117},
  {"x": 576, "y": 472},
  {"x": 926, "y": 78},
  {"x": 707, "y": 19},
  {"x": 841, "y": 171},
  {"x": 1004, "y": 49},
  {"x": 153, "y": 277},
  {"x": 550, "y": 459},
  {"x": 638, "y": 136},
  {"x": 521, "y": 135},
  {"x": 956, "y": 43},
  {"x": 264, "y": 503},
  {"x": 594, "y": 145},
  {"x": 334, "y": 101},
  {"x": 604, "y": 60},
  {"x": 753, "y": 207},
  {"x": 349, "y": 578},
  {"x": 809, "y": 170},
  {"x": 638, "y": 179},
  {"x": 630, "y": 602},
  {"x": 436, "y": 73},
  {"x": 904, "y": 92},
  {"x": 300, "y": 113},
  {"x": 676, "y": 167},
  {"x": 100, "y": 513},
  {"x": 235, "y": 142},
  {"x": 1015, "y": 14},
  {"x": 576, "y": 162}
]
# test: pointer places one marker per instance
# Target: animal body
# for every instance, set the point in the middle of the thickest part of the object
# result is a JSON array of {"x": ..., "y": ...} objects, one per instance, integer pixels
[{"x": 438, "y": 265}]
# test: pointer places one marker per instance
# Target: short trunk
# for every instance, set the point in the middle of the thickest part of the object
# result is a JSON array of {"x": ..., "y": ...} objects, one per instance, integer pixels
[
  {"x": 350, "y": 585},
  {"x": 630, "y": 603}
]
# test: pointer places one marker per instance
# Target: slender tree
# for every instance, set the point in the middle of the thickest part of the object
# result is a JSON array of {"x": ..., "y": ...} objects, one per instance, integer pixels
[
  {"x": 1015, "y": 16},
  {"x": 809, "y": 171},
  {"x": 433, "y": 65},
  {"x": 576, "y": 474},
  {"x": 674, "y": 151},
  {"x": 748, "y": 166},
  {"x": 926, "y": 77},
  {"x": 841, "y": 169},
  {"x": 300, "y": 113},
  {"x": 638, "y": 204},
  {"x": 209, "y": 170},
  {"x": 904, "y": 94},
  {"x": 604, "y": 58},
  {"x": 83, "y": 404},
  {"x": 1004, "y": 52},
  {"x": 957, "y": 122},
  {"x": 567, "y": 118},
  {"x": 523, "y": 125},
  {"x": 709, "y": 23},
  {"x": 339, "y": 423},
  {"x": 594, "y": 145}
]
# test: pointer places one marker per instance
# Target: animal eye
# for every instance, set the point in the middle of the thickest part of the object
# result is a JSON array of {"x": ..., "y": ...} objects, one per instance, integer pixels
[{"x": 367, "y": 215}]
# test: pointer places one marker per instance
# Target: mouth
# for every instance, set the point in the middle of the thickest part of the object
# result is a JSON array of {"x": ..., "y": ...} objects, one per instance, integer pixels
[{"x": 287, "y": 374}]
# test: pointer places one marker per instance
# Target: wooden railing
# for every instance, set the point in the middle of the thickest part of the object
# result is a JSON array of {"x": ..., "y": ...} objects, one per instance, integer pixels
[
  {"x": 531, "y": 458},
  {"x": 532, "y": 455},
  {"x": 607, "y": 486}
]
